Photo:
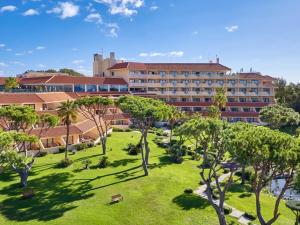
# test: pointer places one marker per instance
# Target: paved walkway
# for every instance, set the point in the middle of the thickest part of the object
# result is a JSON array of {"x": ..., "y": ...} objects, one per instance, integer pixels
[{"x": 235, "y": 213}]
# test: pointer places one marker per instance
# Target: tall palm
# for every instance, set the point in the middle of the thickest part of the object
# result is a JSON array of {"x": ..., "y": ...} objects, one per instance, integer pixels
[{"x": 67, "y": 111}]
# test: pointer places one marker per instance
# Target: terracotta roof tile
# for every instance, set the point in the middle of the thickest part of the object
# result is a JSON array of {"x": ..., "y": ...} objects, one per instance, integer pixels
[
  {"x": 171, "y": 66},
  {"x": 19, "y": 98},
  {"x": 50, "y": 97}
]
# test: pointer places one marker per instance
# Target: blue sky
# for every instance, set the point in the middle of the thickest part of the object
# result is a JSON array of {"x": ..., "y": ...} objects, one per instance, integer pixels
[{"x": 39, "y": 34}]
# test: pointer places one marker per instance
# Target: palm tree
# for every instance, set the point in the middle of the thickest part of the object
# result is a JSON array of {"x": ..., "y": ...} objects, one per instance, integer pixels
[
  {"x": 11, "y": 83},
  {"x": 67, "y": 111}
]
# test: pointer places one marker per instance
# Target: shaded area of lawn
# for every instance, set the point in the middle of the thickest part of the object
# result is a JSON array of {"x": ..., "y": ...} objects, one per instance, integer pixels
[{"x": 54, "y": 197}]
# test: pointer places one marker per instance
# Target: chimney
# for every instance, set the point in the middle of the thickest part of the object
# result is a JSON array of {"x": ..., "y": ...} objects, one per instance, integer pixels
[
  {"x": 112, "y": 55},
  {"x": 217, "y": 60}
]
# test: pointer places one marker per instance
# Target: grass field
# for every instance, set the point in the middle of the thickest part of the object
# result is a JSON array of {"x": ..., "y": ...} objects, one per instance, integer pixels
[{"x": 76, "y": 196}]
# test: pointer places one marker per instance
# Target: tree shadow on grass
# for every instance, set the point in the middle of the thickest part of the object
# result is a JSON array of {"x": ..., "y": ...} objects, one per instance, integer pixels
[
  {"x": 164, "y": 160},
  {"x": 190, "y": 201},
  {"x": 54, "y": 196},
  {"x": 122, "y": 162}
]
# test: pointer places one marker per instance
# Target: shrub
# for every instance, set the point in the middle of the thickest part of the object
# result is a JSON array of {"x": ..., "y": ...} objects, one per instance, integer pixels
[
  {"x": 196, "y": 156},
  {"x": 250, "y": 216},
  {"x": 188, "y": 191},
  {"x": 65, "y": 163},
  {"x": 109, "y": 135},
  {"x": 81, "y": 146},
  {"x": 248, "y": 174},
  {"x": 128, "y": 130},
  {"x": 227, "y": 210},
  {"x": 116, "y": 129},
  {"x": 91, "y": 144},
  {"x": 87, "y": 163},
  {"x": 133, "y": 149},
  {"x": 103, "y": 162},
  {"x": 61, "y": 149},
  {"x": 42, "y": 154}
]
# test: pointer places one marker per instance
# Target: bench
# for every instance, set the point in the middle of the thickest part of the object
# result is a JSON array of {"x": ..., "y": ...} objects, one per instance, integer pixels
[{"x": 116, "y": 198}]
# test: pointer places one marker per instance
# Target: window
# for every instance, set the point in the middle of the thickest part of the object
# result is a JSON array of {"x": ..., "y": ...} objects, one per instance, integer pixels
[
  {"x": 209, "y": 82},
  {"x": 174, "y": 73},
  {"x": 197, "y": 109},
  {"x": 232, "y": 82},
  {"x": 244, "y": 82},
  {"x": 234, "y": 109},
  {"x": 255, "y": 82},
  {"x": 231, "y": 100},
  {"x": 220, "y": 82},
  {"x": 79, "y": 88},
  {"x": 266, "y": 100},
  {"x": 123, "y": 88},
  {"x": 173, "y": 100},
  {"x": 207, "y": 99},
  {"x": 112, "y": 74},
  {"x": 185, "y": 73},
  {"x": 114, "y": 87},
  {"x": 196, "y": 99},
  {"x": 162, "y": 73},
  {"x": 103, "y": 87},
  {"x": 255, "y": 90},
  {"x": 243, "y": 90},
  {"x": 196, "y": 90},
  {"x": 257, "y": 110},
  {"x": 243, "y": 99},
  {"x": 250, "y": 120},
  {"x": 255, "y": 100},
  {"x": 184, "y": 99},
  {"x": 246, "y": 110},
  {"x": 266, "y": 90},
  {"x": 196, "y": 73},
  {"x": 91, "y": 88},
  {"x": 186, "y": 109}
]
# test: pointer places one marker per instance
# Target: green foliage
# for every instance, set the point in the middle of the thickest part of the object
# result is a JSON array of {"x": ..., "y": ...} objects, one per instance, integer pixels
[
  {"x": 188, "y": 190},
  {"x": 86, "y": 163},
  {"x": 67, "y": 111},
  {"x": 103, "y": 162},
  {"x": 250, "y": 216},
  {"x": 133, "y": 149},
  {"x": 293, "y": 205},
  {"x": 227, "y": 210},
  {"x": 65, "y": 163},
  {"x": 219, "y": 102},
  {"x": 11, "y": 83},
  {"x": 42, "y": 154},
  {"x": 278, "y": 116},
  {"x": 81, "y": 146},
  {"x": 61, "y": 149},
  {"x": 71, "y": 72}
]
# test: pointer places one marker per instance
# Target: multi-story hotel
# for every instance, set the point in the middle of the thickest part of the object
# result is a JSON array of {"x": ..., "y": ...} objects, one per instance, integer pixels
[{"x": 191, "y": 86}]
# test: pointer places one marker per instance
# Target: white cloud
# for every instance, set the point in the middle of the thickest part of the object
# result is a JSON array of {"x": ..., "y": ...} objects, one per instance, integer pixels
[
  {"x": 94, "y": 17},
  {"x": 19, "y": 54},
  {"x": 2, "y": 64},
  {"x": 122, "y": 7},
  {"x": 8, "y": 49},
  {"x": 113, "y": 30},
  {"x": 30, "y": 52},
  {"x": 31, "y": 12},
  {"x": 232, "y": 28},
  {"x": 41, "y": 65},
  {"x": 153, "y": 8},
  {"x": 40, "y": 48},
  {"x": 195, "y": 32},
  {"x": 77, "y": 61},
  {"x": 2, "y": 45},
  {"x": 8, "y": 8},
  {"x": 65, "y": 10},
  {"x": 162, "y": 54},
  {"x": 18, "y": 63}
]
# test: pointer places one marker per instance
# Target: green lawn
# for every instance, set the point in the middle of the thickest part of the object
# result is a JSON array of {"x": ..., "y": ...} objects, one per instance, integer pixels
[{"x": 75, "y": 196}]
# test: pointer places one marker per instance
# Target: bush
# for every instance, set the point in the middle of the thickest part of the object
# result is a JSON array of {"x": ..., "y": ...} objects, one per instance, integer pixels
[
  {"x": 227, "y": 210},
  {"x": 91, "y": 144},
  {"x": 201, "y": 182},
  {"x": 133, "y": 149},
  {"x": 65, "y": 163},
  {"x": 42, "y": 154},
  {"x": 250, "y": 216},
  {"x": 87, "y": 163},
  {"x": 128, "y": 130},
  {"x": 103, "y": 162},
  {"x": 196, "y": 156},
  {"x": 61, "y": 149},
  {"x": 109, "y": 135},
  {"x": 81, "y": 146},
  {"x": 248, "y": 174},
  {"x": 116, "y": 129},
  {"x": 188, "y": 191}
]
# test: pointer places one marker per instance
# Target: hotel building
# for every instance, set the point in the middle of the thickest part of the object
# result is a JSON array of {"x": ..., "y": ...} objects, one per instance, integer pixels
[{"x": 191, "y": 87}]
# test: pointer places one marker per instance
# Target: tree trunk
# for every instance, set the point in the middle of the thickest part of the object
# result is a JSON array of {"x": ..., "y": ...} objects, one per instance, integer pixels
[
  {"x": 144, "y": 164},
  {"x": 258, "y": 208},
  {"x": 221, "y": 217},
  {"x": 103, "y": 144},
  {"x": 243, "y": 174},
  {"x": 171, "y": 135},
  {"x": 67, "y": 141},
  {"x": 23, "y": 173},
  {"x": 147, "y": 150}
]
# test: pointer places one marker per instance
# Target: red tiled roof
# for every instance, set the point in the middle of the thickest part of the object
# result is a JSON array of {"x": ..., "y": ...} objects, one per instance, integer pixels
[
  {"x": 54, "y": 96},
  {"x": 19, "y": 98},
  {"x": 72, "y": 80},
  {"x": 56, "y": 131},
  {"x": 255, "y": 76},
  {"x": 170, "y": 66}
]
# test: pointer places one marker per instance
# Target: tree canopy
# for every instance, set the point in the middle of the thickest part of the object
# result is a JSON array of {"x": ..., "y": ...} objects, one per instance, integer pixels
[{"x": 11, "y": 83}]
